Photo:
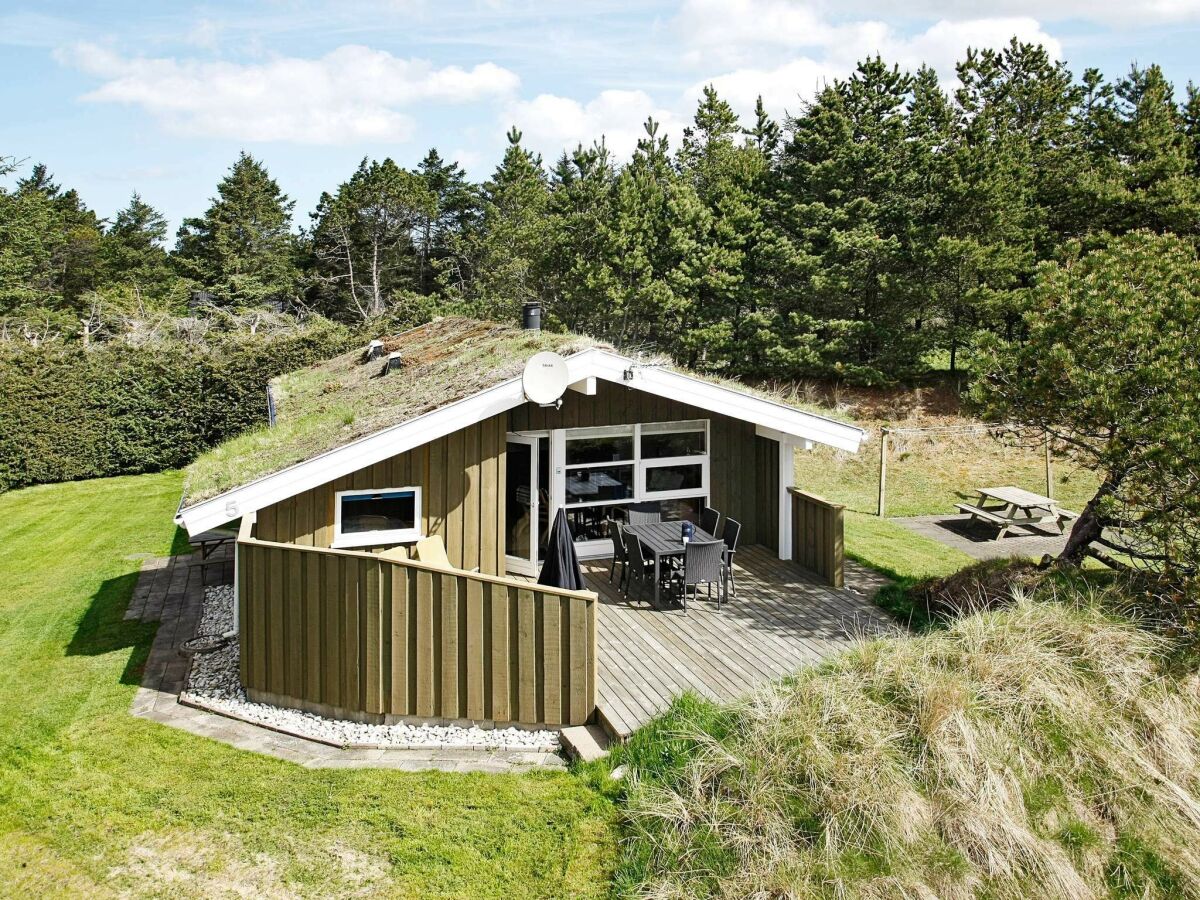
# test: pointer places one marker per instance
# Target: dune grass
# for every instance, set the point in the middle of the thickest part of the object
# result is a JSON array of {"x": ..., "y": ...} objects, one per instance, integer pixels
[
  {"x": 1040, "y": 750},
  {"x": 94, "y": 802}
]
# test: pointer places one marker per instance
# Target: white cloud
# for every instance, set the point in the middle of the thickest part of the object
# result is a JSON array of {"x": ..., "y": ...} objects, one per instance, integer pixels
[
  {"x": 1106, "y": 12},
  {"x": 770, "y": 31},
  {"x": 551, "y": 124},
  {"x": 352, "y": 93}
]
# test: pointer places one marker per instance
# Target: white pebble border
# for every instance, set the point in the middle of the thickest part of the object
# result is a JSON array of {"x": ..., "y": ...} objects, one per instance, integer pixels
[{"x": 213, "y": 683}]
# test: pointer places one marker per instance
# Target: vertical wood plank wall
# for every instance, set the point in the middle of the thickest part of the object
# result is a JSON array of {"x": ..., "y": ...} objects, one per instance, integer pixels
[
  {"x": 733, "y": 473},
  {"x": 817, "y": 540},
  {"x": 766, "y": 467},
  {"x": 347, "y": 633},
  {"x": 461, "y": 477}
]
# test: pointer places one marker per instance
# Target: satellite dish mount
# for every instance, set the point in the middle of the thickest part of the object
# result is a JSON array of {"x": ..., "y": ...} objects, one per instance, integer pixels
[{"x": 545, "y": 379}]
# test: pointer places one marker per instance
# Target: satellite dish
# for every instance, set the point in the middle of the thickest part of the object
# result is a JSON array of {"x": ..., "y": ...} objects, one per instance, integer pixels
[{"x": 545, "y": 378}]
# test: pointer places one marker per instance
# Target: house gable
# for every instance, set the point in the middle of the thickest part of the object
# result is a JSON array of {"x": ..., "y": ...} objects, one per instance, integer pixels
[{"x": 771, "y": 418}]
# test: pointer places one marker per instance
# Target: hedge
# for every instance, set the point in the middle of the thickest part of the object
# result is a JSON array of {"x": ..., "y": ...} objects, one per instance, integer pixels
[{"x": 115, "y": 409}]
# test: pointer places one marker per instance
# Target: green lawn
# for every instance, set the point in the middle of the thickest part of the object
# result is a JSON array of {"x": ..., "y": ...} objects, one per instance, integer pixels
[{"x": 96, "y": 802}]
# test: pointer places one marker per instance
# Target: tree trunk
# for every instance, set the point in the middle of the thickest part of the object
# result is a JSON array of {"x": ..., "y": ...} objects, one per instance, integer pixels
[{"x": 1089, "y": 525}]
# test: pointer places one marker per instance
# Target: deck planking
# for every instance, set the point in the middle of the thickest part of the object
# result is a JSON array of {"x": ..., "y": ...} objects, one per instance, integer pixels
[{"x": 781, "y": 619}]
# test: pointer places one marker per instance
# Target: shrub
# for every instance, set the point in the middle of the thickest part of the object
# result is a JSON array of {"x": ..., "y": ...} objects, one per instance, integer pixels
[{"x": 113, "y": 409}]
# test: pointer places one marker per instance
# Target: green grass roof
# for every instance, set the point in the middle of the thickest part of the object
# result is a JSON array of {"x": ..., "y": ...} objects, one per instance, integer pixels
[{"x": 327, "y": 405}]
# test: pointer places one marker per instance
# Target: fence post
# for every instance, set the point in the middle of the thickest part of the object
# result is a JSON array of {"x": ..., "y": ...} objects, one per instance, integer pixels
[
  {"x": 1049, "y": 470},
  {"x": 883, "y": 449}
]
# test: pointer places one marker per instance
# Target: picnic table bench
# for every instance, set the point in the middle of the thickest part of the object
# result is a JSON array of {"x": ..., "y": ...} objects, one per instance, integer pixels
[{"x": 1014, "y": 506}]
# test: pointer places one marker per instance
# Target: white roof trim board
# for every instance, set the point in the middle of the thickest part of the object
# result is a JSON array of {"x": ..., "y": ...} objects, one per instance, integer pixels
[{"x": 592, "y": 363}]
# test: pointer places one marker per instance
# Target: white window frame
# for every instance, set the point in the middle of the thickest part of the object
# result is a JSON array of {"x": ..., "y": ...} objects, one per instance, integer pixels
[
  {"x": 603, "y": 547},
  {"x": 383, "y": 536},
  {"x": 700, "y": 459}
]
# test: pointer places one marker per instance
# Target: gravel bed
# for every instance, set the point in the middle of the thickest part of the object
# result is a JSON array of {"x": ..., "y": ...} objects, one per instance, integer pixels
[{"x": 213, "y": 683}]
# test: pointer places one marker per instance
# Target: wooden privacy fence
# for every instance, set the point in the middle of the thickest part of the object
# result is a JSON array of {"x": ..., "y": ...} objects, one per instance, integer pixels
[
  {"x": 817, "y": 541},
  {"x": 347, "y": 633}
]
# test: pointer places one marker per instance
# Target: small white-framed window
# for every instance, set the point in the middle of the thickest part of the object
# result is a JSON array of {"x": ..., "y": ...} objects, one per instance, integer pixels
[
  {"x": 375, "y": 517},
  {"x": 673, "y": 459}
]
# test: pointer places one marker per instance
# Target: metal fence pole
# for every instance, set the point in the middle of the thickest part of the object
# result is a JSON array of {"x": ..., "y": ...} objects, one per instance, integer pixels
[{"x": 883, "y": 449}]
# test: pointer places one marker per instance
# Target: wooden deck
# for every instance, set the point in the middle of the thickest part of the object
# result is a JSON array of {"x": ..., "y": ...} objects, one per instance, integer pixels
[{"x": 781, "y": 619}]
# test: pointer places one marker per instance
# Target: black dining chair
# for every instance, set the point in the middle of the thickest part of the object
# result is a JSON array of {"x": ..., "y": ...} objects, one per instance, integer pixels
[
  {"x": 620, "y": 555},
  {"x": 638, "y": 567},
  {"x": 709, "y": 518},
  {"x": 730, "y": 536},
  {"x": 644, "y": 513},
  {"x": 702, "y": 564}
]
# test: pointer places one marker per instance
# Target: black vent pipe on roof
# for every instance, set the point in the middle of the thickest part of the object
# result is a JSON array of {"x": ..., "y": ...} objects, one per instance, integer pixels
[{"x": 531, "y": 316}]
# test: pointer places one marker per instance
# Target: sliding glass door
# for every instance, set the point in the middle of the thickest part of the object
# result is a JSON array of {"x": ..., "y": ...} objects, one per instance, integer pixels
[{"x": 526, "y": 502}]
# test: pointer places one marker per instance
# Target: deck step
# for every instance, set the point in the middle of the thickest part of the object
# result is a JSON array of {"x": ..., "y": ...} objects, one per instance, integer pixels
[{"x": 587, "y": 742}]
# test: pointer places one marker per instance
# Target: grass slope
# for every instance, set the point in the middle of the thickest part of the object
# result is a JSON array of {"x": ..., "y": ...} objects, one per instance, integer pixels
[
  {"x": 1042, "y": 750},
  {"x": 95, "y": 802}
]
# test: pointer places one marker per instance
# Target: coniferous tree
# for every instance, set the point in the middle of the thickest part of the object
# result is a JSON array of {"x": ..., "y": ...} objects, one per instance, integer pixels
[
  {"x": 455, "y": 210},
  {"x": 581, "y": 285},
  {"x": 364, "y": 239},
  {"x": 242, "y": 249},
  {"x": 1158, "y": 188},
  {"x": 133, "y": 250},
  {"x": 850, "y": 196},
  {"x": 498, "y": 265}
]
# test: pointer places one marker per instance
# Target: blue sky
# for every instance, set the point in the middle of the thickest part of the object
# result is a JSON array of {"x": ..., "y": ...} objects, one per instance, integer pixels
[{"x": 116, "y": 98}]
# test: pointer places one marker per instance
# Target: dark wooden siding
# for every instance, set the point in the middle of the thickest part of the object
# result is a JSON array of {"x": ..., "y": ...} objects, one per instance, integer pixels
[
  {"x": 766, "y": 465},
  {"x": 461, "y": 477},
  {"x": 734, "y": 470}
]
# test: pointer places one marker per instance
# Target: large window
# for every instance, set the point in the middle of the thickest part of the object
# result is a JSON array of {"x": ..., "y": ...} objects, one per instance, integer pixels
[
  {"x": 372, "y": 518},
  {"x": 605, "y": 469}
]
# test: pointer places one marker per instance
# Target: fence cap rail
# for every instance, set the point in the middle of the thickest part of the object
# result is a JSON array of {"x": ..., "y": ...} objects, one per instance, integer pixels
[
  {"x": 417, "y": 564},
  {"x": 813, "y": 498}
]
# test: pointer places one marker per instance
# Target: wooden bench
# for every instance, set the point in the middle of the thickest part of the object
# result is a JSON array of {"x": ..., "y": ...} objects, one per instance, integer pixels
[
  {"x": 1058, "y": 516},
  {"x": 979, "y": 512}
]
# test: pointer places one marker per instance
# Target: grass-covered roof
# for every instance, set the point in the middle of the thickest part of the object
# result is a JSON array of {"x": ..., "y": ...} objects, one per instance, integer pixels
[
  {"x": 327, "y": 405},
  {"x": 333, "y": 403}
]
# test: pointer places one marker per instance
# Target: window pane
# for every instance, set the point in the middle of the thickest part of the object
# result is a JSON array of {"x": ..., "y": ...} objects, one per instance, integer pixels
[
  {"x": 388, "y": 511},
  {"x": 599, "y": 449},
  {"x": 687, "y": 508},
  {"x": 601, "y": 483},
  {"x": 680, "y": 443},
  {"x": 588, "y": 523},
  {"x": 685, "y": 476}
]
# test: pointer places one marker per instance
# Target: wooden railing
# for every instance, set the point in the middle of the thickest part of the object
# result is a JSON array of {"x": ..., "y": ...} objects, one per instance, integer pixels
[
  {"x": 817, "y": 540},
  {"x": 347, "y": 633}
]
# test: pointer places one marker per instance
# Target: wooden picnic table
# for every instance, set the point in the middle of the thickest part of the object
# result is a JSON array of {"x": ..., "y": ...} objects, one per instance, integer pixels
[
  {"x": 1011, "y": 506},
  {"x": 664, "y": 540}
]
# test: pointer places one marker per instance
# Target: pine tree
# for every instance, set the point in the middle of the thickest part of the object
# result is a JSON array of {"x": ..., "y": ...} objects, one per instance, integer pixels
[
  {"x": 242, "y": 249},
  {"x": 1149, "y": 137},
  {"x": 456, "y": 209},
  {"x": 49, "y": 245},
  {"x": 364, "y": 239},
  {"x": 849, "y": 199},
  {"x": 580, "y": 281},
  {"x": 499, "y": 263},
  {"x": 133, "y": 251}
]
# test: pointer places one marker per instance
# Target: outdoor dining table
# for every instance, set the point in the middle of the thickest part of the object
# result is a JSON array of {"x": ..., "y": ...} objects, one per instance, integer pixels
[
  {"x": 1016, "y": 506},
  {"x": 664, "y": 540}
]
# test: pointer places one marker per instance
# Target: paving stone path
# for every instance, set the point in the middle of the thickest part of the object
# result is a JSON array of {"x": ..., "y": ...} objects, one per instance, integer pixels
[
  {"x": 977, "y": 539},
  {"x": 170, "y": 590}
]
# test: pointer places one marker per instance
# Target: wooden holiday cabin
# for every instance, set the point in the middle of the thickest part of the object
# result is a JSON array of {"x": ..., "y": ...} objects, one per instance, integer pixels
[{"x": 431, "y": 434}]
